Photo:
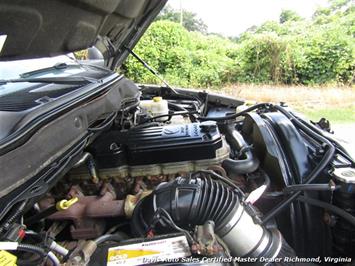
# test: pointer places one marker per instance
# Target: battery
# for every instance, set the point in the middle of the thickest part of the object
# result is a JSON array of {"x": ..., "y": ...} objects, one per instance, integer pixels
[{"x": 156, "y": 250}]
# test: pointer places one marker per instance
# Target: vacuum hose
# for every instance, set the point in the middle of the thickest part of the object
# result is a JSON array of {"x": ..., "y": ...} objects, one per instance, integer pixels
[
  {"x": 195, "y": 200},
  {"x": 248, "y": 163}
]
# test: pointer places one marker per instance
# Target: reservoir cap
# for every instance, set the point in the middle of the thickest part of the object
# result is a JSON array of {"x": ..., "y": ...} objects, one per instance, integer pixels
[
  {"x": 157, "y": 99},
  {"x": 346, "y": 175}
]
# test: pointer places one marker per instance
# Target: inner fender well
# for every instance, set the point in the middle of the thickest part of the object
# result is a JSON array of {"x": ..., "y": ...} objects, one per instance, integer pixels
[
  {"x": 292, "y": 142},
  {"x": 270, "y": 147}
]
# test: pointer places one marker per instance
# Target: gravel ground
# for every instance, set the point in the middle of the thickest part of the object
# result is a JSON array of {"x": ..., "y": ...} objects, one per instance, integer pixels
[{"x": 346, "y": 132}]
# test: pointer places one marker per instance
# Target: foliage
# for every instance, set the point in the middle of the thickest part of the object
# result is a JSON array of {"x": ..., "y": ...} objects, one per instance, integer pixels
[
  {"x": 190, "y": 21},
  {"x": 296, "y": 51},
  {"x": 289, "y": 15}
]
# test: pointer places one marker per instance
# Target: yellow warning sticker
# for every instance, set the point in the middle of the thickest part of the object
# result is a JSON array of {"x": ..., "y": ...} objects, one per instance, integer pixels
[
  {"x": 131, "y": 253},
  {"x": 149, "y": 252},
  {"x": 7, "y": 259}
]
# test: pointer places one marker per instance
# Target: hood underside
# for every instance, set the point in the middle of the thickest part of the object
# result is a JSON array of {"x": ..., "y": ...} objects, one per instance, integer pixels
[{"x": 40, "y": 28}]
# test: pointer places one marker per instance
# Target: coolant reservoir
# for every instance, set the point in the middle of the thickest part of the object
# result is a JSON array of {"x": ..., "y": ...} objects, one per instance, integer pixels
[{"x": 155, "y": 107}]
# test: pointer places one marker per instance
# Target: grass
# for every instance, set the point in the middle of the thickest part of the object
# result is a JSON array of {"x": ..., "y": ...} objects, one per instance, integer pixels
[
  {"x": 337, "y": 104},
  {"x": 336, "y": 115}
]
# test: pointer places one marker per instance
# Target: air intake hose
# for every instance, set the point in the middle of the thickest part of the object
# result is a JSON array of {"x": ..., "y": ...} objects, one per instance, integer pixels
[{"x": 193, "y": 201}]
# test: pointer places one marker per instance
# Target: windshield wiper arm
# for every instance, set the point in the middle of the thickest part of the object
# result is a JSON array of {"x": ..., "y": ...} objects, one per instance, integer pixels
[
  {"x": 47, "y": 69},
  {"x": 56, "y": 80}
]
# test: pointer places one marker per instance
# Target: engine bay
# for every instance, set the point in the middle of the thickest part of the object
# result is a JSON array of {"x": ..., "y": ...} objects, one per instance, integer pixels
[{"x": 193, "y": 179}]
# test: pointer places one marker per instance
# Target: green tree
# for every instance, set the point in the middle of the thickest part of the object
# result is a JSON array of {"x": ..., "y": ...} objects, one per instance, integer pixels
[
  {"x": 340, "y": 4},
  {"x": 292, "y": 51},
  {"x": 189, "y": 19},
  {"x": 289, "y": 15}
]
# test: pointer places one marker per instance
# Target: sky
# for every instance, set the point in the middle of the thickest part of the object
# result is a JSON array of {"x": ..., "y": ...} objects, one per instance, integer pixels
[{"x": 232, "y": 17}]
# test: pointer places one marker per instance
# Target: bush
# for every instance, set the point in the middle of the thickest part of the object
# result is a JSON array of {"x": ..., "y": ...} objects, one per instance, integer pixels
[
  {"x": 320, "y": 57},
  {"x": 293, "y": 52},
  {"x": 184, "y": 58},
  {"x": 260, "y": 58}
]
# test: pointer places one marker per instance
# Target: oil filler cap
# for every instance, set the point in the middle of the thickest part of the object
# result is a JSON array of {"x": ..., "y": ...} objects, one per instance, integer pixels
[
  {"x": 345, "y": 175},
  {"x": 208, "y": 126}
]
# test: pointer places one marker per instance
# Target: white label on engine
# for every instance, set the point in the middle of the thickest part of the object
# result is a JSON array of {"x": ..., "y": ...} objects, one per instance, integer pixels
[{"x": 162, "y": 250}]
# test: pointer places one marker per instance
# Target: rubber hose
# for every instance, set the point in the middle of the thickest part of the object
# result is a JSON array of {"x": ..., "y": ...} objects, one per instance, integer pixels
[
  {"x": 31, "y": 249},
  {"x": 243, "y": 166},
  {"x": 53, "y": 258},
  {"x": 172, "y": 114},
  {"x": 111, "y": 237},
  {"x": 328, "y": 156},
  {"x": 233, "y": 116},
  {"x": 189, "y": 202},
  {"x": 59, "y": 249},
  {"x": 332, "y": 208},
  {"x": 309, "y": 187},
  {"x": 193, "y": 201},
  {"x": 41, "y": 215},
  {"x": 176, "y": 107}
]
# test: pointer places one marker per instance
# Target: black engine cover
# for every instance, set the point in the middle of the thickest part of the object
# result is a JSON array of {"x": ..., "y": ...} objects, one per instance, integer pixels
[{"x": 162, "y": 144}]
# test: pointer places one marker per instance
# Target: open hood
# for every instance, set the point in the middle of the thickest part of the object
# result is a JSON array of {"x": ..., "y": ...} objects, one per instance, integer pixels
[{"x": 40, "y": 28}]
